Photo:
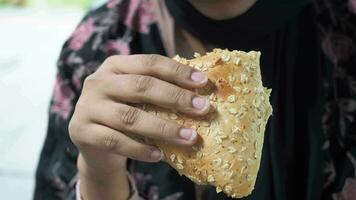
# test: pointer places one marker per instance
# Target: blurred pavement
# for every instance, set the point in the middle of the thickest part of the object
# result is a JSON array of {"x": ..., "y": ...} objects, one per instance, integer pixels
[{"x": 30, "y": 41}]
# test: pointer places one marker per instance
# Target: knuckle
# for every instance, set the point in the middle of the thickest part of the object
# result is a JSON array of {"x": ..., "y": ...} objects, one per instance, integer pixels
[
  {"x": 143, "y": 83},
  {"x": 150, "y": 60},
  {"x": 111, "y": 142},
  {"x": 163, "y": 127},
  {"x": 90, "y": 81},
  {"x": 129, "y": 116},
  {"x": 75, "y": 130},
  {"x": 180, "y": 70},
  {"x": 111, "y": 60},
  {"x": 176, "y": 96}
]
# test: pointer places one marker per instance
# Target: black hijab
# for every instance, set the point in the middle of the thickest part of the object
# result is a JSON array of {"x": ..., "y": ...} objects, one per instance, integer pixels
[{"x": 264, "y": 17}]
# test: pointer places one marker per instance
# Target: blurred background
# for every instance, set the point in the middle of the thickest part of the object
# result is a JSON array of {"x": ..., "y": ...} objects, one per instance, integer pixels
[{"x": 31, "y": 35}]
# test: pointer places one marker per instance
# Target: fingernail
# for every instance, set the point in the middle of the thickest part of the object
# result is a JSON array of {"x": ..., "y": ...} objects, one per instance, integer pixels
[
  {"x": 156, "y": 155},
  {"x": 188, "y": 134},
  {"x": 200, "y": 103},
  {"x": 198, "y": 77}
]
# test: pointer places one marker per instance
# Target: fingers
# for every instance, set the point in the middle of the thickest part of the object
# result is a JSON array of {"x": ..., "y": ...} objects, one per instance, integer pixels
[
  {"x": 106, "y": 139},
  {"x": 146, "y": 89},
  {"x": 160, "y": 67},
  {"x": 131, "y": 120}
]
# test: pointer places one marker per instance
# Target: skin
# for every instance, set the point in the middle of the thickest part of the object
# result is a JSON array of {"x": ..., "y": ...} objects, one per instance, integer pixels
[
  {"x": 222, "y": 9},
  {"x": 103, "y": 124}
]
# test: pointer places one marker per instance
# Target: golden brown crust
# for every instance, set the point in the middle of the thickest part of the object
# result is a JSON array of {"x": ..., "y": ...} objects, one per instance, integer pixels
[{"x": 228, "y": 152}]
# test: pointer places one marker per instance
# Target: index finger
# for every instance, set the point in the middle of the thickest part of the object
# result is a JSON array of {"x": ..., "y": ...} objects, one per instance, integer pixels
[{"x": 160, "y": 67}]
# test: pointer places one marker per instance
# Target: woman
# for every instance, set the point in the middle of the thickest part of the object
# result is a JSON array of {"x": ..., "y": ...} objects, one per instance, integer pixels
[{"x": 94, "y": 90}]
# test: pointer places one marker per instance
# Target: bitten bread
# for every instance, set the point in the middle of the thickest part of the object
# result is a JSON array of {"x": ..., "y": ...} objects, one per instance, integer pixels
[{"x": 228, "y": 152}]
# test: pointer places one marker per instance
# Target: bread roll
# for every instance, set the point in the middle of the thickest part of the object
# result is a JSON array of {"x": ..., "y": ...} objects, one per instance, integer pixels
[{"x": 229, "y": 149}]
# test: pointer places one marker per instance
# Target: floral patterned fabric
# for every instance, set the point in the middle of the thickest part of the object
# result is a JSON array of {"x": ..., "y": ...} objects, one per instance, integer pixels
[
  {"x": 130, "y": 27},
  {"x": 337, "y": 27}
]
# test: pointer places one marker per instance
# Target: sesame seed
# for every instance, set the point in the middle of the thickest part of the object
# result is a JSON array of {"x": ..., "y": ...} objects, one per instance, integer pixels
[
  {"x": 237, "y": 61},
  {"x": 231, "y": 149},
  {"x": 244, "y": 78},
  {"x": 173, "y": 157},
  {"x": 249, "y": 162},
  {"x": 230, "y": 174},
  {"x": 233, "y": 111},
  {"x": 245, "y": 90},
  {"x": 184, "y": 61},
  {"x": 205, "y": 123},
  {"x": 207, "y": 64},
  {"x": 228, "y": 188},
  {"x": 249, "y": 177},
  {"x": 231, "y": 98},
  {"x": 232, "y": 78},
  {"x": 200, "y": 154},
  {"x": 217, "y": 161},
  {"x": 180, "y": 166},
  {"x": 258, "y": 90},
  {"x": 196, "y": 55},
  {"x": 218, "y": 189},
  {"x": 256, "y": 102},
  {"x": 225, "y": 57},
  {"x": 235, "y": 129},
  {"x": 216, "y": 151},
  {"x": 222, "y": 136},
  {"x": 218, "y": 140},
  {"x": 233, "y": 139},
  {"x": 180, "y": 159},
  {"x": 199, "y": 65},
  {"x": 173, "y": 116},
  {"x": 238, "y": 89},
  {"x": 211, "y": 179},
  {"x": 225, "y": 165},
  {"x": 245, "y": 137}
]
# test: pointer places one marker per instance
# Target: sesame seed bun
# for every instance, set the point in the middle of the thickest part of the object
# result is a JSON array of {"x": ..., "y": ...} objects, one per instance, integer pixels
[{"x": 229, "y": 149}]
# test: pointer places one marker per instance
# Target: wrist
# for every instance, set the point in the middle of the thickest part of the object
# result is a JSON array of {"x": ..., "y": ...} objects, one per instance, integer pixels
[
  {"x": 100, "y": 172},
  {"x": 96, "y": 183}
]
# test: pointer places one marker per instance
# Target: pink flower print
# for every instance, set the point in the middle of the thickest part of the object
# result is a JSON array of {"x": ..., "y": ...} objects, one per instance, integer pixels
[
  {"x": 112, "y": 3},
  {"x": 62, "y": 98},
  {"x": 118, "y": 47},
  {"x": 352, "y": 6},
  {"x": 140, "y": 15},
  {"x": 338, "y": 46},
  {"x": 82, "y": 34}
]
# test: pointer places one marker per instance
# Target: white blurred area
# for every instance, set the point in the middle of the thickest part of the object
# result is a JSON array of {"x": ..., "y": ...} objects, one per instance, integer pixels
[{"x": 30, "y": 42}]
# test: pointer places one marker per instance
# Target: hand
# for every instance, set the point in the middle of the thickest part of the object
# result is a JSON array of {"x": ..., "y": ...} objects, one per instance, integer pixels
[{"x": 103, "y": 125}]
